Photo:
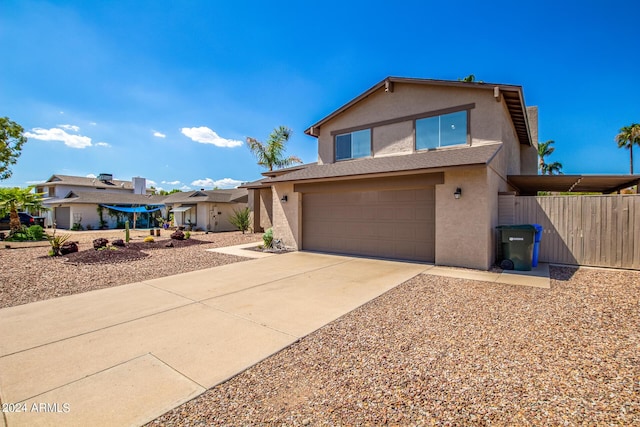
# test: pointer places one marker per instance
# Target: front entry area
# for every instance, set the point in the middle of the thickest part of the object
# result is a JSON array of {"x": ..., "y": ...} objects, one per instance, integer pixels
[{"x": 397, "y": 224}]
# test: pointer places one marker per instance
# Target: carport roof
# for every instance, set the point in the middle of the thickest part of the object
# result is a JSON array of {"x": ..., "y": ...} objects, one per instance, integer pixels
[
  {"x": 531, "y": 184},
  {"x": 463, "y": 156}
]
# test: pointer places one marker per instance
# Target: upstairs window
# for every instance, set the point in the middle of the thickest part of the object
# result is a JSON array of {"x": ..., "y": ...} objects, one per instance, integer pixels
[
  {"x": 353, "y": 145},
  {"x": 441, "y": 131}
]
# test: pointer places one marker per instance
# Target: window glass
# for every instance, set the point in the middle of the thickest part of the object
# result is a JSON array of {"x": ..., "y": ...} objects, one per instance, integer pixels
[
  {"x": 353, "y": 145},
  {"x": 441, "y": 131},
  {"x": 361, "y": 143},
  {"x": 427, "y": 133},
  {"x": 453, "y": 129},
  {"x": 343, "y": 146}
]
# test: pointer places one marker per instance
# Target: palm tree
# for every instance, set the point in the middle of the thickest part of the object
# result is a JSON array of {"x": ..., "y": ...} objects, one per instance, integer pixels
[
  {"x": 14, "y": 199},
  {"x": 554, "y": 168},
  {"x": 545, "y": 149},
  {"x": 270, "y": 154},
  {"x": 628, "y": 136}
]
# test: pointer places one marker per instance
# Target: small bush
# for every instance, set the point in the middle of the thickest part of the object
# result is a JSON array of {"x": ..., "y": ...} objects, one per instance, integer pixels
[
  {"x": 56, "y": 243},
  {"x": 148, "y": 239},
  {"x": 187, "y": 235},
  {"x": 241, "y": 219},
  {"x": 77, "y": 227},
  {"x": 267, "y": 238},
  {"x": 177, "y": 235},
  {"x": 36, "y": 232}
]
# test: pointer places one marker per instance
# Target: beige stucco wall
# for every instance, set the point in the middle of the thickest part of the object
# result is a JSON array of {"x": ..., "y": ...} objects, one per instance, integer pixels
[
  {"x": 393, "y": 139},
  {"x": 463, "y": 227},
  {"x": 287, "y": 217},
  {"x": 266, "y": 208},
  {"x": 486, "y": 119},
  {"x": 529, "y": 154}
]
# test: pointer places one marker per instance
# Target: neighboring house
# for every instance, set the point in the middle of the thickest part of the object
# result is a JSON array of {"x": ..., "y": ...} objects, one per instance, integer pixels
[
  {"x": 75, "y": 199},
  {"x": 206, "y": 210},
  {"x": 411, "y": 169},
  {"x": 83, "y": 207}
]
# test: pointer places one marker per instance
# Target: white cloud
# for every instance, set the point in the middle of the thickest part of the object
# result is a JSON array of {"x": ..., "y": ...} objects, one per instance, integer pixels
[
  {"x": 159, "y": 134},
  {"x": 205, "y": 135},
  {"x": 171, "y": 182},
  {"x": 185, "y": 188},
  {"x": 103, "y": 144},
  {"x": 91, "y": 175},
  {"x": 152, "y": 182},
  {"x": 220, "y": 183},
  {"x": 73, "y": 128},
  {"x": 57, "y": 134},
  {"x": 92, "y": 123}
]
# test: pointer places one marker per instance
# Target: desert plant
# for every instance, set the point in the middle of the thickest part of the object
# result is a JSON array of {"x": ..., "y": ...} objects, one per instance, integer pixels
[
  {"x": 14, "y": 199},
  {"x": 56, "y": 242},
  {"x": 148, "y": 239},
  {"x": 126, "y": 231},
  {"x": 240, "y": 219},
  {"x": 267, "y": 238},
  {"x": 187, "y": 235}
]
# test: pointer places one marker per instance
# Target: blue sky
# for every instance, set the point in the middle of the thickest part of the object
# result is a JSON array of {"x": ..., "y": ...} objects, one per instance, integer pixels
[{"x": 169, "y": 90}]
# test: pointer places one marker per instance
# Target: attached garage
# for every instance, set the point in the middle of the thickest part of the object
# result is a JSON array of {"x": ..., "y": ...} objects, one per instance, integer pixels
[
  {"x": 63, "y": 217},
  {"x": 393, "y": 220}
]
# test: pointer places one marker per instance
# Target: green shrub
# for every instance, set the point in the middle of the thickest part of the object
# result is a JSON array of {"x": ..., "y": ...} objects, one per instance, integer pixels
[
  {"x": 240, "y": 219},
  {"x": 267, "y": 238},
  {"x": 36, "y": 232},
  {"x": 187, "y": 235}
]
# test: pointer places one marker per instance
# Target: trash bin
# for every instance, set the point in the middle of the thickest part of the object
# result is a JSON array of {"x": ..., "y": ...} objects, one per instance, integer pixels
[
  {"x": 517, "y": 243},
  {"x": 536, "y": 245}
]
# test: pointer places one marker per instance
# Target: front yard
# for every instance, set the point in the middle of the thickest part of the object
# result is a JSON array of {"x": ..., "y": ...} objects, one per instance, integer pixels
[
  {"x": 440, "y": 351},
  {"x": 29, "y": 275}
]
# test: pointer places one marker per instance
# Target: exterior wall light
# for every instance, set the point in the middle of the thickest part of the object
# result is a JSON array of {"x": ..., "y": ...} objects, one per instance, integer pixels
[
  {"x": 284, "y": 199},
  {"x": 457, "y": 193}
]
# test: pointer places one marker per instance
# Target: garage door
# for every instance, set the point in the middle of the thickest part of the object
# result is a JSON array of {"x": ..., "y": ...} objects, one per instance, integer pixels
[
  {"x": 391, "y": 224},
  {"x": 63, "y": 217}
]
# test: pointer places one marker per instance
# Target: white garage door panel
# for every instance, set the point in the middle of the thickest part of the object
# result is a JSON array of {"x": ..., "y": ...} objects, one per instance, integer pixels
[{"x": 392, "y": 224}]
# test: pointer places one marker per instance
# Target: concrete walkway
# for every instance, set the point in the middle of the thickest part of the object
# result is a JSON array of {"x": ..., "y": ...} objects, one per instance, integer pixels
[{"x": 125, "y": 355}]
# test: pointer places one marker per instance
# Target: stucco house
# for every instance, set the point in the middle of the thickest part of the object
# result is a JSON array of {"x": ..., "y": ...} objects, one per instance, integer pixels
[
  {"x": 207, "y": 210},
  {"x": 411, "y": 169},
  {"x": 75, "y": 199}
]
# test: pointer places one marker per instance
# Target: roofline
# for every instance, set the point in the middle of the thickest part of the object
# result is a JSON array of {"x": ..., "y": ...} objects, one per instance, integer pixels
[{"x": 387, "y": 83}]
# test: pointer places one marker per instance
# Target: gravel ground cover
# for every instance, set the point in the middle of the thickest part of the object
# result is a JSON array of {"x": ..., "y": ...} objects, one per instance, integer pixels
[
  {"x": 29, "y": 275},
  {"x": 442, "y": 351}
]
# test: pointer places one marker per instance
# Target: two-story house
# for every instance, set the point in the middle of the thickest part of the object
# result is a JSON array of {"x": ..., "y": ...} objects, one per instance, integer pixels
[{"x": 410, "y": 169}]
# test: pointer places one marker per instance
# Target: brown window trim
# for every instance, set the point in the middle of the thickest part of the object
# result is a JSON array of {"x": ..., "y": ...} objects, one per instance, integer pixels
[{"x": 407, "y": 118}]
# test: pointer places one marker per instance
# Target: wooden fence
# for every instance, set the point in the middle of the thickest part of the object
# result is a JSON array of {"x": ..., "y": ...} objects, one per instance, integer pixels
[{"x": 602, "y": 231}]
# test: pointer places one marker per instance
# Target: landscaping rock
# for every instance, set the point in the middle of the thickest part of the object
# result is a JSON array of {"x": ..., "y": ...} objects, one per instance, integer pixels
[
  {"x": 100, "y": 243},
  {"x": 177, "y": 235},
  {"x": 169, "y": 245},
  {"x": 118, "y": 242},
  {"x": 68, "y": 248}
]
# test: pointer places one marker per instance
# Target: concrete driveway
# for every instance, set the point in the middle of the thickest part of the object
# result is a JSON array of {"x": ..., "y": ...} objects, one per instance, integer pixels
[{"x": 125, "y": 355}]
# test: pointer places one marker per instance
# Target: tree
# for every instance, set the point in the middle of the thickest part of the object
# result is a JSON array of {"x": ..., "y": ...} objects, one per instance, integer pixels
[
  {"x": 554, "y": 168},
  {"x": 11, "y": 142},
  {"x": 271, "y": 153},
  {"x": 470, "y": 79},
  {"x": 14, "y": 199},
  {"x": 545, "y": 149},
  {"x": 628, "y": 136}
]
